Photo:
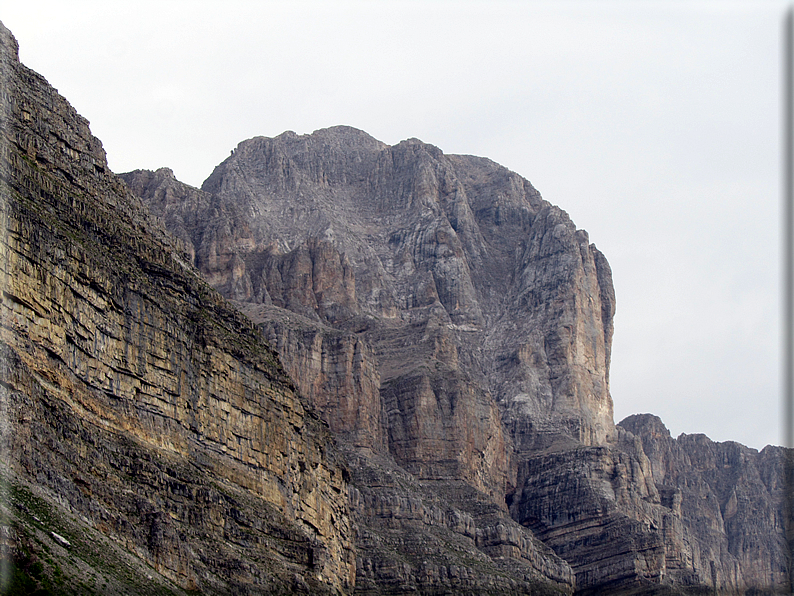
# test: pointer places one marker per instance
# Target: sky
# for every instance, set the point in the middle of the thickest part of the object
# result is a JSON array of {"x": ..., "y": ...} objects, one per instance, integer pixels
[{"x": 655, "y": 125}]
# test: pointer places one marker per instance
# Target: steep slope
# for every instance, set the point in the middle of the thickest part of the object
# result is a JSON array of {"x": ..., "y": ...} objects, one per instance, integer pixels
[
  {"x": 730, "y": 502},
  {"x": 410, "y": 536},
  {"x": 136, "y": 401},
  {"x": 445, "y": 318}
]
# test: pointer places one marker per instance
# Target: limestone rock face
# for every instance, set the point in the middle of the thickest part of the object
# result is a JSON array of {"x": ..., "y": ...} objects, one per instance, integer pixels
[
  {"x": 450, "y": 274},
  {"x": 455, "y": 242},
  {"x": 431, "y": 536},
  {"x": 454, "y": 329},
  {"x": 133, "y": 395},
  {"x": 179, "y": 202},
  {"x": 599, "y": 509},
  {"x": 727, "y": 500},
  {"x": 442, "y": 537},
  {"x": 436, "y": 420},
  {"x": 337, "y": 371},
  {"x": 437, "y": 261}
]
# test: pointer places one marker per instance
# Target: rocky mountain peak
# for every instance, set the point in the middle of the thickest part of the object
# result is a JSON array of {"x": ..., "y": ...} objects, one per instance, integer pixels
[
  {"x": 347, "y": 136},
  {"x": 440, "y": 313},
  {"x": 344, "y": 368},
  {"x": 646, "y": 425},
  {"x": 420, "y": 237}
]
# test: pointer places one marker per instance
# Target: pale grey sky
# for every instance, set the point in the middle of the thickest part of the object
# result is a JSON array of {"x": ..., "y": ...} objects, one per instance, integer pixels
[{"x": 656, "y": 125}]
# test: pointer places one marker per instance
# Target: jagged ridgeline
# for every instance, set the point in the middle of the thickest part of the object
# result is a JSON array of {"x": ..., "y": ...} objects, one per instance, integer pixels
[{"x": 338, "y": 367}]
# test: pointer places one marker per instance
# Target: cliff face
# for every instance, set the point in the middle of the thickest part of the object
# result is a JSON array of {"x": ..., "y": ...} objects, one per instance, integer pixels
[
  {"x": 728, "y": 499},
  {"x": 376, "y": 253},
  {"x": 452, "y": 258},
  {"x": 453, "y": 243},
  {"x": 439, "y": 313},
  {"x": 450, "y": 328},
  {"x": 134, "y": 396}
]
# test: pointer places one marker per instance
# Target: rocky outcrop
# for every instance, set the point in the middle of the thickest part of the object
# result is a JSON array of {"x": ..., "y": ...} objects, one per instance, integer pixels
[
  {"x": 727, "y": 501},
  {"x": 442, "y": 537},
  {"x": 134, "y": 396},
  {"x": 337, "y": 371},
  {"x": 454, "y": 240},
  {"x": 436, "y": 420},
  {"x": 443, "y": 316},
  {"x": 599, "y": 509}
]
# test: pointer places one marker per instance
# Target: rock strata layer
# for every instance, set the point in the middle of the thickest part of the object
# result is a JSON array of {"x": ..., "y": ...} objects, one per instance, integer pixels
[
  {"x": 338, "y": 367},
  {"x": 727, "y": 506},
  {"x": 134, "y": 396},
  {"x": 440, "y": 314}
]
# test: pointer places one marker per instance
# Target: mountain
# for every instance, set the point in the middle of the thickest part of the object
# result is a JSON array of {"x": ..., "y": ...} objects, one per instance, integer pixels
[
  {"x": 437, "y": 311},
  {"x": 151, "y": 439},
  {"x": 338, "y": 367}
]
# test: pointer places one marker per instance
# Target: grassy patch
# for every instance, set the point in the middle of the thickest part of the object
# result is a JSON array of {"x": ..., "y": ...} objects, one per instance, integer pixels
[{"x": 38, "y": 564}]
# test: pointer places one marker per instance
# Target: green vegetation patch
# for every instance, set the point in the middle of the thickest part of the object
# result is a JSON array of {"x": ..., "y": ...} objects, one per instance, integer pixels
[{"x": 47, "y": 551}]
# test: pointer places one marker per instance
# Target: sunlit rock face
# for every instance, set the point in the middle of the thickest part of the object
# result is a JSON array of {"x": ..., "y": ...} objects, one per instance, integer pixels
[{"x": 134, "y": 397}]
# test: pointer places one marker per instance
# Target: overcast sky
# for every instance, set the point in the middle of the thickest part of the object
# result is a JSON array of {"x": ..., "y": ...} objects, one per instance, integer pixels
[{"x": 655, "y": 125}]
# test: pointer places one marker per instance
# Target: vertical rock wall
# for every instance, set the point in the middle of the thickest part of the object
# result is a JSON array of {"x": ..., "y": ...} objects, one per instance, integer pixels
[
  {"x": 727, "y": 500},
  {"x": 449, "y": 250},
  {"x": 135, "y": 395},
  {"x": 448, "y": 319}
]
